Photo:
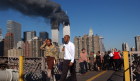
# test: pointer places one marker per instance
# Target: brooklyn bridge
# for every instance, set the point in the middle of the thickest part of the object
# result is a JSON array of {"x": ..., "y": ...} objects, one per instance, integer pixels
[{"x": 34, "y": 69}]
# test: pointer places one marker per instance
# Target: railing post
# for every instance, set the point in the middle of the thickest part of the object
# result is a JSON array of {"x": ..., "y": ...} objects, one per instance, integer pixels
[
  {"x": 20, "y": 68},
  {"x": 126, "y": 66}
]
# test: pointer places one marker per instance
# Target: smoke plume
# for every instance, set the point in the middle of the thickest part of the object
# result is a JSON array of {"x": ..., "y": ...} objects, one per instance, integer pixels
[{"x": 43, "y": 8}]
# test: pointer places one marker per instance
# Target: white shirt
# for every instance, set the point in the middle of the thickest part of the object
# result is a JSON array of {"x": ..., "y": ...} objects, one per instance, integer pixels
[
  {"x": 69, "y": 53},
  {"x": 111, "y": 54}
]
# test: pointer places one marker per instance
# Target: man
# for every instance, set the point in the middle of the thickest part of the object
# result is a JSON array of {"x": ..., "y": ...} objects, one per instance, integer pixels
[
  {"x": 68, "y": 63},
  {"x": 83, "y": 61}
]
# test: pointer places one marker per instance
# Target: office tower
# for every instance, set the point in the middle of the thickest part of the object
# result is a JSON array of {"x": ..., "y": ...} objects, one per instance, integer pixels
[
  {"x": 125, "y": 47},
  {"x": 31, "y": 48},
  {"x": 66, "y": 30},
  {"x": 43, "y": 36},
  {"x": 27, "y": 48},
  {"x": 15, "y": 52},
  {"x": 137, "y": 43},
  {"x": 97, "y": 43},
  {"x": 133, "y": 49},
  {"x": 28, "y": 35},
  {"x": 102, "y": 48},
  {"x": 8, "y": 43},
  {"x": 90, "y": 32},
  {"x": 89, "y": 42},
  {"x": 2, "y": 48},
  {"x": 55, "y": 31},
  {"x": 55, "y": 35},
  {"x": 15, "y": 28},
  {"x": 1, "y": 37},
  {"x": 36, "y": 44}
]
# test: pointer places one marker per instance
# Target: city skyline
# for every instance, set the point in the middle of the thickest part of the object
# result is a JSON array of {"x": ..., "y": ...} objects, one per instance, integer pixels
[{"x": 117, "y": 21}]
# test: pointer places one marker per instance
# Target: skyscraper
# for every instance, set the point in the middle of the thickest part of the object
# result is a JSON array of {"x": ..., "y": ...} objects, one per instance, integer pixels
[
  {"x": 14, "y": 28},
  {"x": 90, "y": 32},
  {"x": 89, "y": 42},
  {"x": 2, "y": 48},
  {"x": 125, "y": 47},
  {"x": 8, "y": 43},
  {"x": 102, "y": 48},
  {"x": 55, "y": 31},
  {"x": 28, "y": 35},
  {"x": 137, "y": 43},
  {"x": 66, "y": 30},
  {"x": 43, "y": 35},
  {"x": 1, "y": 37},
  {"x": 36, "y": 44}
]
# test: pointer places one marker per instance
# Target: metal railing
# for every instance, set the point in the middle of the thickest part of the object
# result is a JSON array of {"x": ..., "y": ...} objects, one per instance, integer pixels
[
  {"x": 29, "y": 69},
  {"x": 135, "y": 65}
]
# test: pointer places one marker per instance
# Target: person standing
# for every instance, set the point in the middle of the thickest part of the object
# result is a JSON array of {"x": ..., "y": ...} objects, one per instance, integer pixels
[
  {"x": 50, "y": 55},
  {"x": 91, "y": 60},
  {"x": 111, "y": 61},
  {"x": 98, "y": 61},
  {"x": 116, "y": 58},
  {"x": 69, "y": 62},
  {"x": 83, "y": 61}
]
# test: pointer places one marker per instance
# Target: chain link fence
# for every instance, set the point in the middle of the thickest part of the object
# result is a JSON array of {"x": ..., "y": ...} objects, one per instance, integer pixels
[{"x": 135, "y": 66}]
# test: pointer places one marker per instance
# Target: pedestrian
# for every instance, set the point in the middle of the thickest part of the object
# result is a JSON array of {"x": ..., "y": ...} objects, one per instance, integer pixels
[
  {"x": 69, "y": 62},
  {"x": 83, "y": 61},
  {"x": 116, "y": 58},
  {"x": 91, "y": 60},
  {"x": 50, "y": 55},
  {"x": 106, "y": 61},
  {"x": 98, "y": 61},
  {"x": 111, "y": 61}
]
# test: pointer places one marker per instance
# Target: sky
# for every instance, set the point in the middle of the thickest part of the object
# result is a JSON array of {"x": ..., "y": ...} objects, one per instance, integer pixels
[{"x": 117, "y": 21}]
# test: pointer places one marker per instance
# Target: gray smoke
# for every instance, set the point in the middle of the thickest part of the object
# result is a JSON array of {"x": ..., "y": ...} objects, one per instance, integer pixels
[{"x": 44, "y": 8}]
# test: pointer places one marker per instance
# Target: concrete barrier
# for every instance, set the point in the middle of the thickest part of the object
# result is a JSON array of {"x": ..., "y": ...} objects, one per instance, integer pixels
[{"x": 9, "y": 75}]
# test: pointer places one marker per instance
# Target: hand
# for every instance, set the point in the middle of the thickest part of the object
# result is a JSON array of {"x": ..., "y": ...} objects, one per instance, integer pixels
[
  {"x": 70, "y": 64},
  {"x": 63, "y": 49}
]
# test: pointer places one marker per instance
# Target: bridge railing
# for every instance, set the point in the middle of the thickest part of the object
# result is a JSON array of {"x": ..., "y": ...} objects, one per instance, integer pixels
[
  {"x": 135, "y": 65},
  {"x": 33, "y": 68}
]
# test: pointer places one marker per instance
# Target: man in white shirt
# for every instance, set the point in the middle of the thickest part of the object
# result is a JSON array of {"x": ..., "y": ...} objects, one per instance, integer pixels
[{"x": 68, "y": 63}]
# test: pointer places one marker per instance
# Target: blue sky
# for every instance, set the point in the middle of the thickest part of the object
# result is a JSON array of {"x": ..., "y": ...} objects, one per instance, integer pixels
[{"x": 117, "y": 21}]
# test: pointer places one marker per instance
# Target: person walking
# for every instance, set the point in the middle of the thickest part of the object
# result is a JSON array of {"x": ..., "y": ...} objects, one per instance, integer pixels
[
  {"x": 69, "y": 62},
  {"x": 50, "y": 55},
  {"x": 116, "y": 58},
  {"x": 98, "y": 61},
  {"x": 83, "y": 61},
  {"x": 91, "y": 60}
]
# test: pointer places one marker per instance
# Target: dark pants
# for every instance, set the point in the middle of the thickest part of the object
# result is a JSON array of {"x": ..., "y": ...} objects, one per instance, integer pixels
[
  {"x": 66, "y": 67},
  {"x": 117, "y": 63},
  {"x": 111, "y": 63},
  {"x": 83, "y": 67}
]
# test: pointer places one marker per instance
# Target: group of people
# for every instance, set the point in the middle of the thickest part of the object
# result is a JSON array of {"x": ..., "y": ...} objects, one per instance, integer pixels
[
  {"x": 100, "y": 61},
  {"x": 51, "y": 55},
  {"x": 93, "y": 61}
]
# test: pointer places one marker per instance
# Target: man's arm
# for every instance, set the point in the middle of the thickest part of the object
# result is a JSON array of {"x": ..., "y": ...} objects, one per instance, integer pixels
[{"x": 73, "y": 54}]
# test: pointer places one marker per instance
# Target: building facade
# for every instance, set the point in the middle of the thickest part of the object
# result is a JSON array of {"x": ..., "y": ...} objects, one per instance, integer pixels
[
  {"x": 28, "y": 35},
  {"x": 137, "y": 43},
  {"x": 15, "y": 52},
  {"x": 15, "y": 28},
  {"x": 1, "y": 37},
  {"x": 90, "y": 42},
  {"x": 125, "y": 47},
  {"x": 2, "y": 48},
  {"x": 8, "y": 43}
]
